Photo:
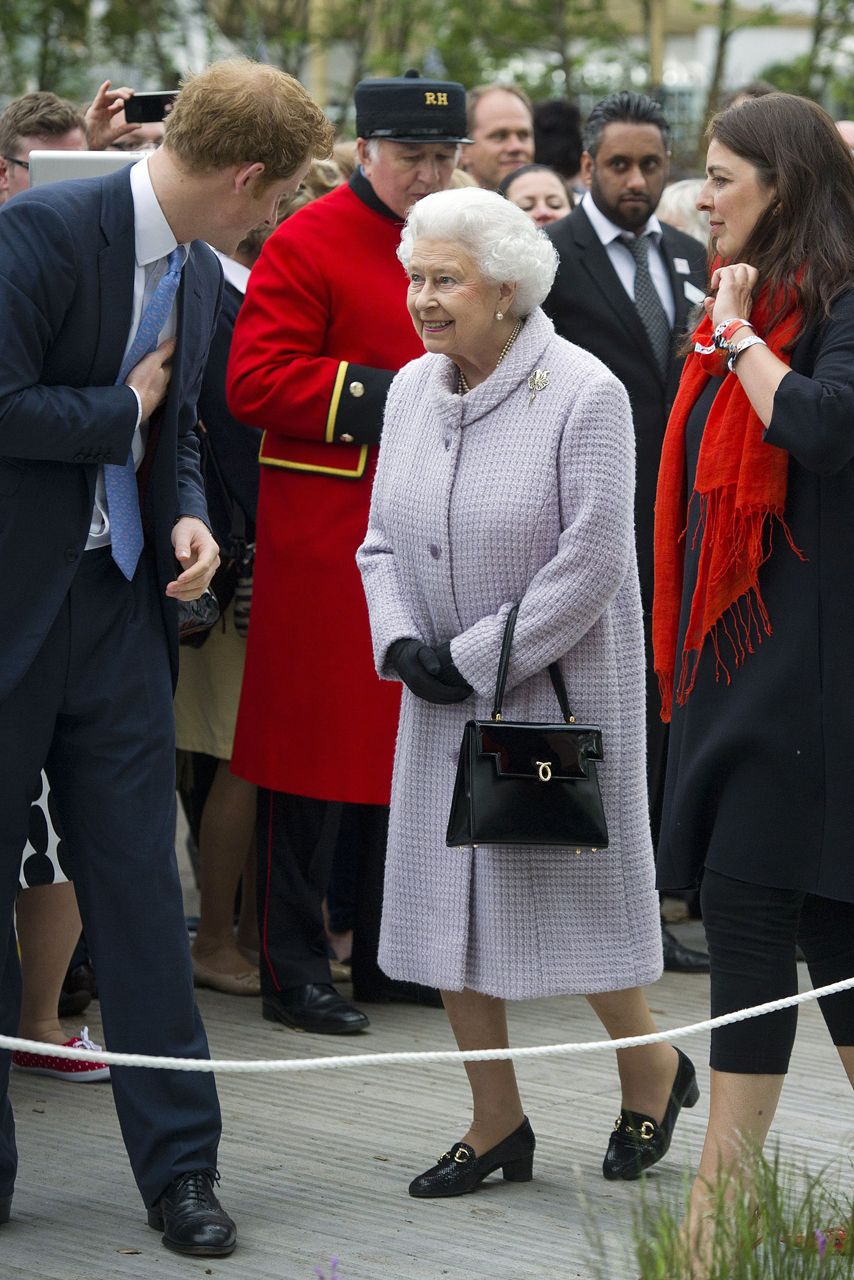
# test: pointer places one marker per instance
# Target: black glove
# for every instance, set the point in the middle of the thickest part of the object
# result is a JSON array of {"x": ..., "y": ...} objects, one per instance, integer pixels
[
  {"x": 422, "y": 671},
  {"x": 448, "y": 673}
]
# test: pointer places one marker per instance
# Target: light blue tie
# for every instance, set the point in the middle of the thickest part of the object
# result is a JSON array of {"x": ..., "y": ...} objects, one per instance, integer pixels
[{"x": 120, "y": 481}]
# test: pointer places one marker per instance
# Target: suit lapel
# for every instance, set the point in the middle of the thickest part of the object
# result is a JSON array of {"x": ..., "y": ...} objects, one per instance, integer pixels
[
  {"x": 116, "y": 266},
  {"x": 189, "y": 330},
  {"x": 597, "y": 264},
  {"x": 677, "y": 282}
]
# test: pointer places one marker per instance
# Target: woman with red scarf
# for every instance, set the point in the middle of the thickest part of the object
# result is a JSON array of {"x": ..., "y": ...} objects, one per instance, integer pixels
[{"x": 753, "y": 621}]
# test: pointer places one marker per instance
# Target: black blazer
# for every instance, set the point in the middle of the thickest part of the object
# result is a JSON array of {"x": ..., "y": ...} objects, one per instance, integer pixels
[
  {"x": 66, "y": 295},
  {"x": 590, "y": 307},
  {"x": 759, "y": 779},
  {"x": 234, "y": 446}
]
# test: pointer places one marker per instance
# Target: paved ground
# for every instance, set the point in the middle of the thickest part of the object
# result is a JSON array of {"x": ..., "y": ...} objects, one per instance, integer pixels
[{"x": 316, "y": 1165}]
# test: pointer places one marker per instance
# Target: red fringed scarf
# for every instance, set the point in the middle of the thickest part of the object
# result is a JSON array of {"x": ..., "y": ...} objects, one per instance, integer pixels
[{"x": 739, "y": 491}]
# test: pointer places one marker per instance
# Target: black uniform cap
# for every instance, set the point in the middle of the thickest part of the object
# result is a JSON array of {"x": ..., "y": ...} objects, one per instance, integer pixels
[{"x": 408, "y": 108}]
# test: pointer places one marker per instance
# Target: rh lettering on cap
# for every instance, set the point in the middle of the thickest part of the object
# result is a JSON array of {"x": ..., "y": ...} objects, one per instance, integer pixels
[{"x": 435, "y": 99}]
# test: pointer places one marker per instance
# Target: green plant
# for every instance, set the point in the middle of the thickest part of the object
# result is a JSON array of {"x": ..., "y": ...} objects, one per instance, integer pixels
[{"x": 769, "y": 1224}]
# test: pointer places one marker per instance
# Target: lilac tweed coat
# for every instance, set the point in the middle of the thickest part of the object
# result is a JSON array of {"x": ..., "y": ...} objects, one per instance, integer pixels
[{"x": 480, "y": 501}]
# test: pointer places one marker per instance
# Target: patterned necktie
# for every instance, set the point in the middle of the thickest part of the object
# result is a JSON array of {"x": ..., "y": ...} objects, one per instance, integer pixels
[
  {"x": 649, "y": 306},
  {"x": 120, "y": 481}
]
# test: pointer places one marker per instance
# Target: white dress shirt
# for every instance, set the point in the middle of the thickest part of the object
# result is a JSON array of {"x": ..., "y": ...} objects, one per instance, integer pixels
[
  {"x": 613, "y": 242},
  {"x": 234, "y": 272},
  {"x": 154, "y": 242}
]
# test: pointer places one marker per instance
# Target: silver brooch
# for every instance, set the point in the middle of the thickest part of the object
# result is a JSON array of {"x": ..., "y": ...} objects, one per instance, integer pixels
[{"x": 538, "y": 381}]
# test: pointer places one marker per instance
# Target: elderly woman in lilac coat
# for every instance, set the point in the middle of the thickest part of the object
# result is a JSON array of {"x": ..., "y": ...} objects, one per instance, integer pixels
[{"x": 505, "y": 476}]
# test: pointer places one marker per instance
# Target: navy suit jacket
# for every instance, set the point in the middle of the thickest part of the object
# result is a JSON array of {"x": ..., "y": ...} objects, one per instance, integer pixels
[
  {"x": 66, "y": 294},
  {"x": 590, "y": 307},
  {"x": 233, "y": 445}
]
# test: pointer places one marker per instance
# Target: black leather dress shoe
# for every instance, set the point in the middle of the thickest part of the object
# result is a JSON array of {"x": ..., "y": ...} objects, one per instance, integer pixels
[
  {"x": 460, "y": 1170},
  {"x": 317, "y": 1007},
  {"x": 394, "y": 992},
  {"x": 679, "y": 958},
  {"x": 192, "y": 1219},
  {"x": 5, "y": 1209},
  {"x": 638, "y": 1142}
]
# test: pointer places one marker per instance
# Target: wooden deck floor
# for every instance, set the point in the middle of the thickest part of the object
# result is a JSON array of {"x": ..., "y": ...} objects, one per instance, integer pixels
[{"x": 316, "y": 1165}]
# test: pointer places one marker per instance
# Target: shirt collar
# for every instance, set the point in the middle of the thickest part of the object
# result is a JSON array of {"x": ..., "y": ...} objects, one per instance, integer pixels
[
  {"x": 361, "y": 187},
  {"x": 235, "y": 273},
  {"x": 608, "y": 231},
  {"x": 153, "y": 237}
]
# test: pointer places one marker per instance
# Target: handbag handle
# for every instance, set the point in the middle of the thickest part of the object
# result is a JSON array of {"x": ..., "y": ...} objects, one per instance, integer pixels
[{"x": 558, "y": 683}]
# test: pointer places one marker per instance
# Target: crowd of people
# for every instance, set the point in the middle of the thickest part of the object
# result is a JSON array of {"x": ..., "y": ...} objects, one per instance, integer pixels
[{"x": 484, "y": 368}]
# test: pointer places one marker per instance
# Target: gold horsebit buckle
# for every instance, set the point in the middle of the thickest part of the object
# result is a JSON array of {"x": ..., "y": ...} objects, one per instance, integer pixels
[
  {"x": 646, "y": 1132},
  {"x": 460, "y": 1156}
]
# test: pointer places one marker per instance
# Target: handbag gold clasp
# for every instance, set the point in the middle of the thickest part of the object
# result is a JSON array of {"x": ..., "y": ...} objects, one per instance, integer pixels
[{"x": 544, "y": 770}]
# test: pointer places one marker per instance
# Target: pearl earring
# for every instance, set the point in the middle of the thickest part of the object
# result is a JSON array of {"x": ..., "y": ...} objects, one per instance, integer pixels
[{"x": 499, "y": 315}]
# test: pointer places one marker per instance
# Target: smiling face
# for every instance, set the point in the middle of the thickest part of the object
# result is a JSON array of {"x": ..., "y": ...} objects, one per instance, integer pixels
[
  {"x": 402, "y": 172},
  {"x": 734, "y": 196},
  {"x": 627, "y": 175},
  {"x": 541, "y": 195},
  {"x": 453, "y": 306}
]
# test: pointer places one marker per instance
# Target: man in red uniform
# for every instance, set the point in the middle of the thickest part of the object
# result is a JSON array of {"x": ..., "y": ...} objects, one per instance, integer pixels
[{"x": 322, "y": 332}]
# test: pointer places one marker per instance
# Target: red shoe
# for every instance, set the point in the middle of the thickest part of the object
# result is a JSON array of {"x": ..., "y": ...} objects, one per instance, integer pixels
[{"x": 43, "y": 1064}]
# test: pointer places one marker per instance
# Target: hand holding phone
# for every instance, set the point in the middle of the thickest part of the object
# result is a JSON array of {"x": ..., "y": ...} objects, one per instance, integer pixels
[{"x": 149, "y": 107}]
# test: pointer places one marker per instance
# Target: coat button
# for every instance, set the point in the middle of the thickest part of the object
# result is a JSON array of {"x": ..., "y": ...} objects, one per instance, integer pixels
[
  {"x": 435, "y": 551},
  {"x": 357, "y": 389},
  {"x": 72, "y": 554},
  {"x": 346, "y": 438},
  {"x": 447, "y": 442}
]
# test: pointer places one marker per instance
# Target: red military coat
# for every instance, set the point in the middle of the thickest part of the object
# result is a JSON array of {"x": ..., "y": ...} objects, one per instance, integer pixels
[{"x": 322, "y": 332}]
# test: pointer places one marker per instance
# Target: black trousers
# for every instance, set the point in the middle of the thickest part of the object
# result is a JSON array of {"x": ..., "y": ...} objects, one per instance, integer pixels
[
  {"x": 297, "y": 840},
  {"x": 95, "y": 711},
  {"x": 752, "y": 932}
]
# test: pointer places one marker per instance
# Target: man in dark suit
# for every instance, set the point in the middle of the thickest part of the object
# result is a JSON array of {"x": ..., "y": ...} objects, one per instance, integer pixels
[
  {"x": 625, "y": 289},
  {"x": 102, "y": 532}
]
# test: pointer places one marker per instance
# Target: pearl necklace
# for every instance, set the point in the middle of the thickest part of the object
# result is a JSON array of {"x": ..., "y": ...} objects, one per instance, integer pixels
[{"x": 517, "y": 329}]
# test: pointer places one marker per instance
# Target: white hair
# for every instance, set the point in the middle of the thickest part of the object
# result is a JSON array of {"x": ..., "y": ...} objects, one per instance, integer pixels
[
  {"x": 372, "y": 146},
  {"x": 505, "y": 243},
  {"x": 678, "y": 206}
]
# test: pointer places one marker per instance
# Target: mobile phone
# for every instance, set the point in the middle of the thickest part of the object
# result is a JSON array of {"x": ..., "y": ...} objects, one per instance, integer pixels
[{"x": 149, "y": 106}]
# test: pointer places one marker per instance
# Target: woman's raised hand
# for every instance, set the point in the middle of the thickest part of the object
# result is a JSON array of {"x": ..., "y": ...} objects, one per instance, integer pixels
[{"x": 732, "y": 290}]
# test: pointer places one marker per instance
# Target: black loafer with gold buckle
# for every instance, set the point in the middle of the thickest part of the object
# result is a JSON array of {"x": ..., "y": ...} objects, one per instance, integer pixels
[
  {"x": 638, "y": 1142},
  {"x": 460, "y": 1170}
]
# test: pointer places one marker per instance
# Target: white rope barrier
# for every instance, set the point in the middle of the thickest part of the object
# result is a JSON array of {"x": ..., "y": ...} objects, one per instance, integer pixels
[{"x": 394, "y": 1059}]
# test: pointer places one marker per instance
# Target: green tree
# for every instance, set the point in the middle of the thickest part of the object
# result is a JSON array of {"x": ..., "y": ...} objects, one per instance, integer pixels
[
  {"x": 382, "y": 37},
  {"x": 826, "y": 70},
  {"x": 543, "y": 43},
  {"x": 44, "y": 45},
  {"x": 276, "y": 31},
  {"x": 143, "y": 37},
  {"x": 728, "y": 24}
]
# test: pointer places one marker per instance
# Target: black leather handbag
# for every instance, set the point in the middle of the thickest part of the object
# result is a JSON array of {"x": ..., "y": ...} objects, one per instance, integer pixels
[{"x": 528, "y": 784}]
